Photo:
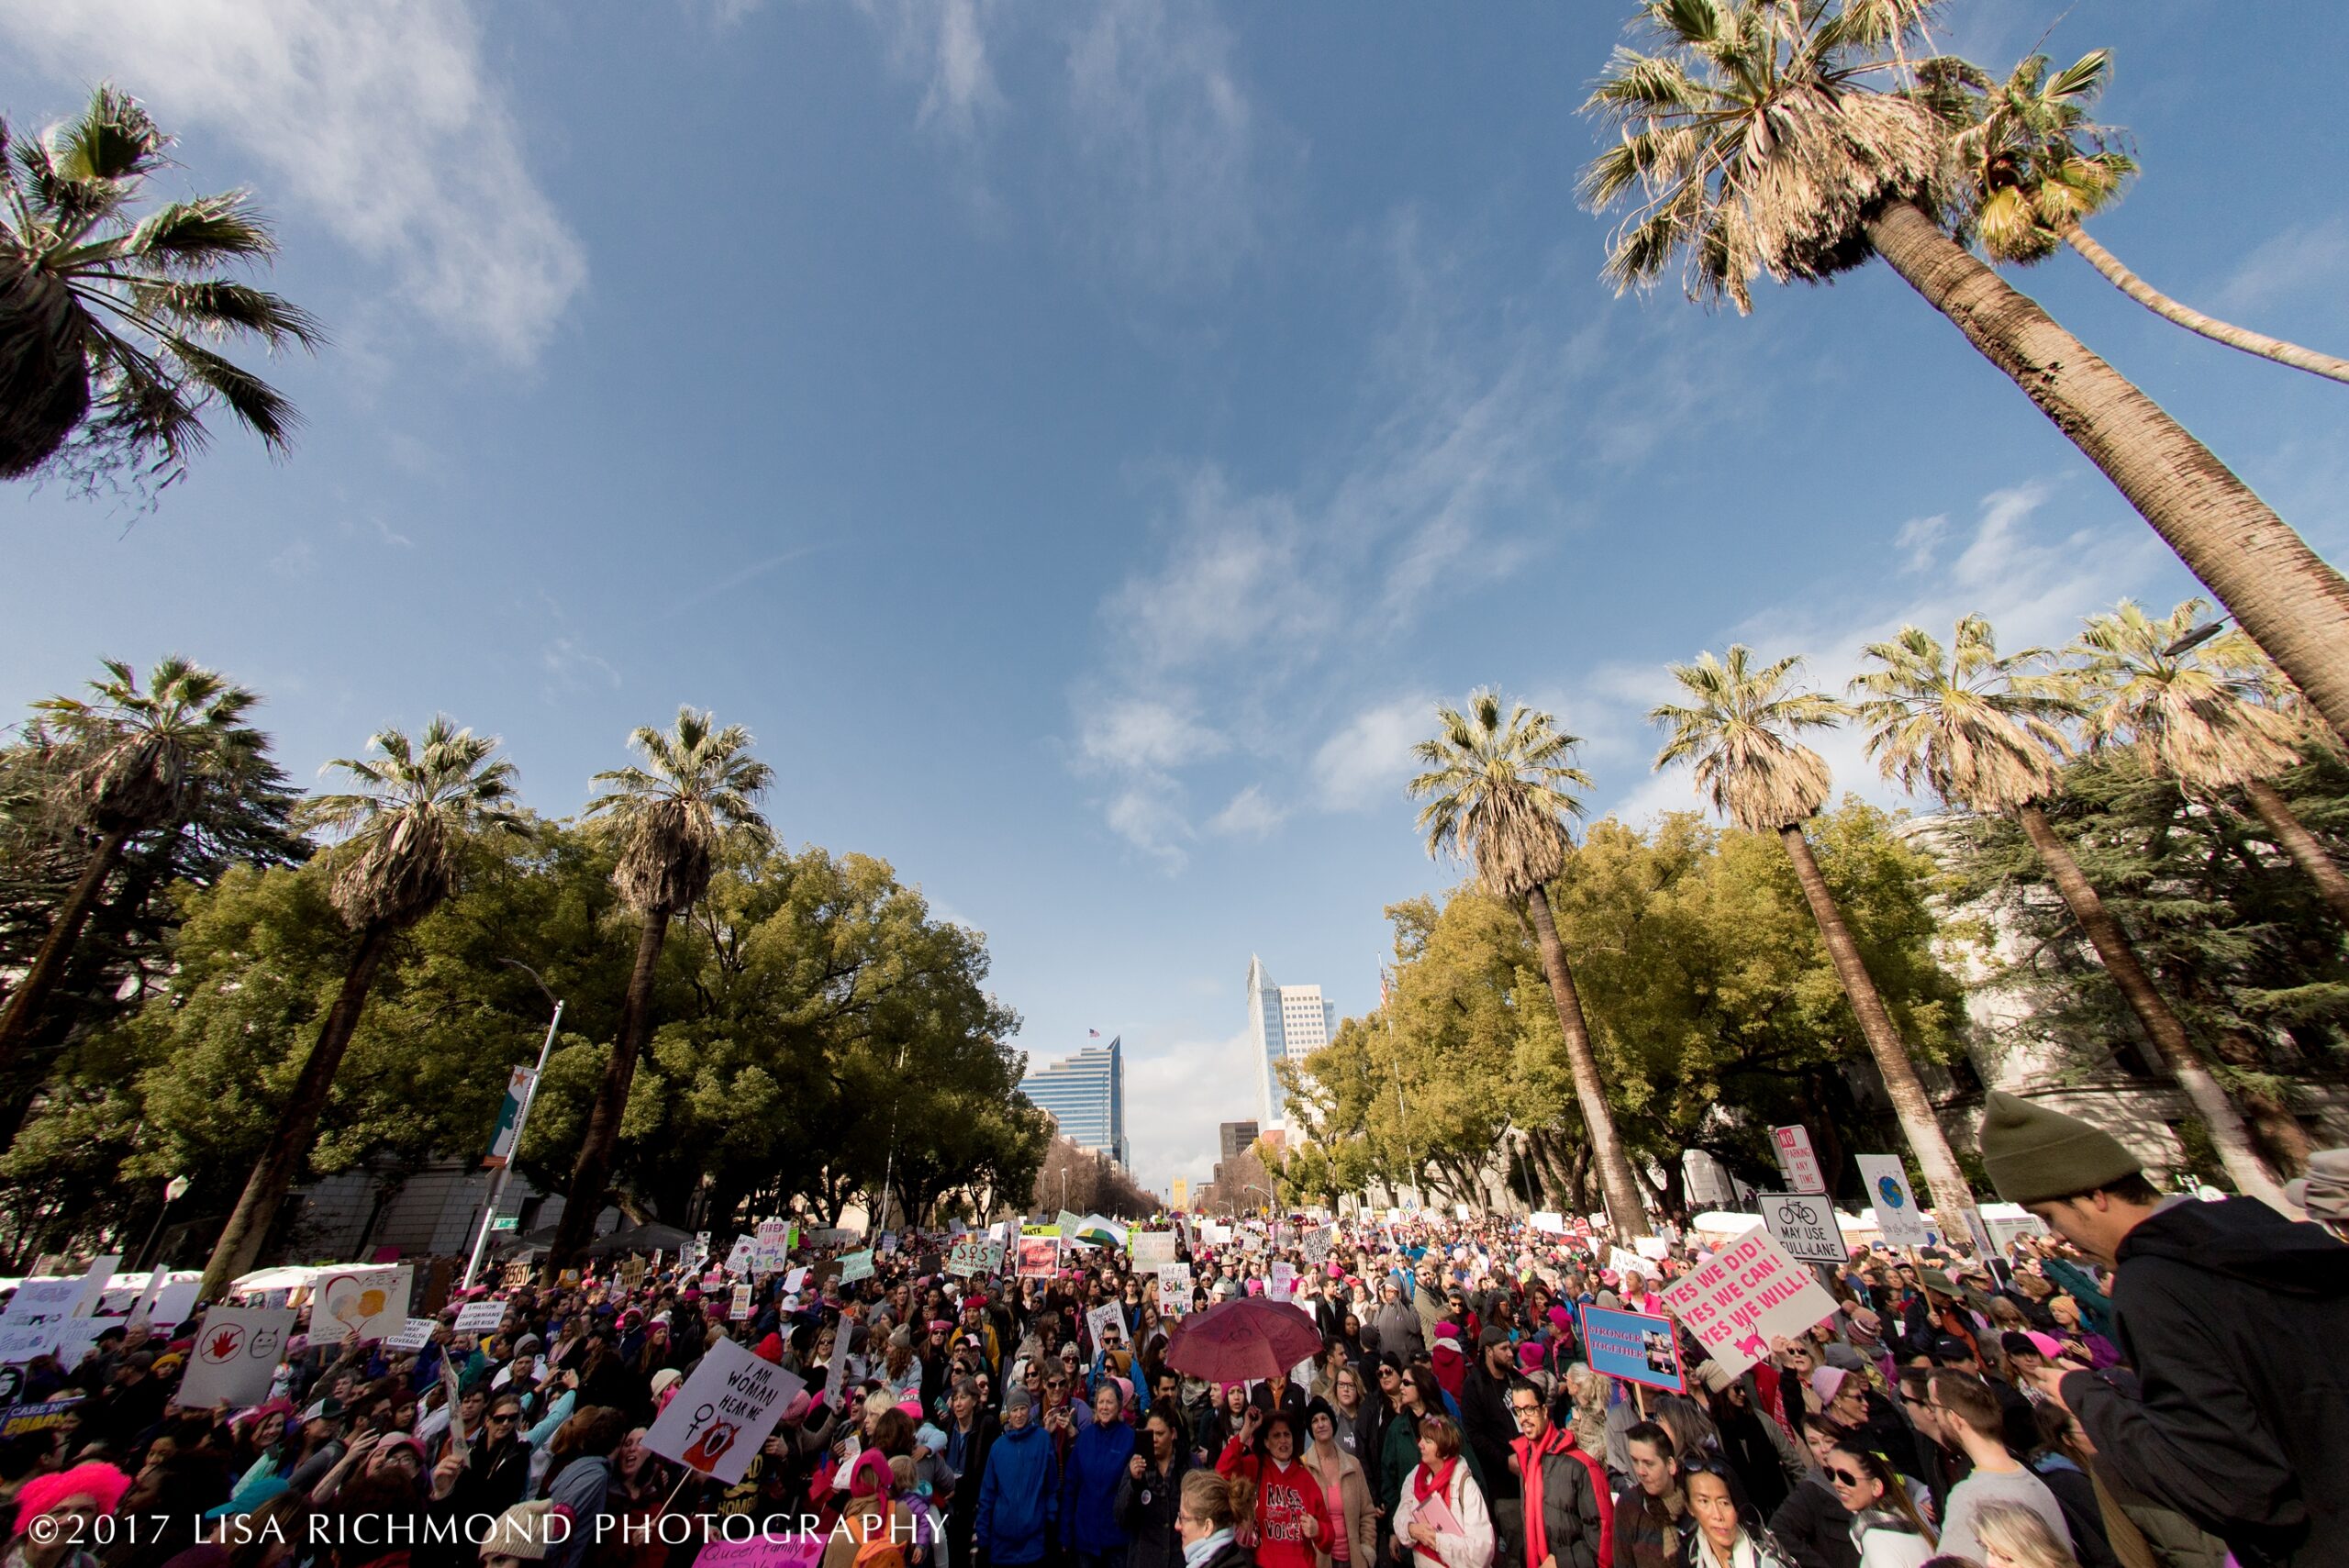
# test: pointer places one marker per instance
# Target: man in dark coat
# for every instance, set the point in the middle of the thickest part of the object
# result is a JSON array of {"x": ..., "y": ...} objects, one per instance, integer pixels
[
  {"x": 1490, "y": 1428},
  {"x": 2234, "y": 1319},
  {"x": 1566, "y": 1521}
]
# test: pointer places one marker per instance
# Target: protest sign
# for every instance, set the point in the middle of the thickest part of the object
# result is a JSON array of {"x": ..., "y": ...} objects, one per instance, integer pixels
[
  {"x": 1749, "y": 1292},
  {"x": 723, "y": 1413},
  {"x": 42, "y": 1301},
  {"x": 836, "y": 1365},
  {"x": 1547, "y": 1221},
  {"x": 1281, "y": 1286},
  {"x": 795, "y": 1279},
  {"x": 1796, "y": 1158},
  {"x": 414, "y": 1335},
  {"x": 1040, "y": 1256},
  {"x": 1316, "y": 1243},
  {"x": 738, "y": 1307},
  {"x": 1153, "y": 1249},
  {"x": 1656, "y": 1249},
  {"x": 2005, "y": 1227},
  {"x": 1622, "y": 1262},
  {"x": 360, "y": 1303},
  {"x": 480, "y": 1317},
  {"x": 17, "y": 1419},
  {"x": 1986, "y": 1245},
  {"x": 1069, "y": 1224},
  {"x": 1174, "y": 1290},
  {"x": 972, "y": 1254},
  {"x": 1633, "y": 1345},
  {"x": 1805, "y": 1226},
  {"x": 774, "y": 1232},
  {"x": 1895, "y": 1202},
  {"x": 20, "y": 1342},
  {"x": 763, "y": 1552},
  {"x": 855, "y": 1267},
  {"x": 738, "y": 1257},
  {"x": 235, "y": 1356},
  {"x": 1106, "y": 1324}
]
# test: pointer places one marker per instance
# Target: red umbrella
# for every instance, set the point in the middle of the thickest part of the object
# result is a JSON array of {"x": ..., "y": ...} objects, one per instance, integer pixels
[{"x": 1243, "y": 1339}]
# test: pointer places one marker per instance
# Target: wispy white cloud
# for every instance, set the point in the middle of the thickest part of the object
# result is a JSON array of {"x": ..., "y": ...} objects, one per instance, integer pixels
[
  {"x": 1248, "y": 814},
  {"x": 1190, "y": 1085},
  {"x": 1364, "y": 762},
  {"x": 378, "y": 116},
  {"x": 944, "y": 47},
  {"x": 571, "y": 666},
  {"x": 2303, "y": 259}
]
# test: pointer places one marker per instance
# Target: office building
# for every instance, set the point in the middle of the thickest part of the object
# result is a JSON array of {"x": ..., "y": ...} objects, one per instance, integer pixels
[
  {"x": 1285, "y": 1023},
  {"x": 1232, "y": 1138},
  {"x": 1086, "y": 1096}
]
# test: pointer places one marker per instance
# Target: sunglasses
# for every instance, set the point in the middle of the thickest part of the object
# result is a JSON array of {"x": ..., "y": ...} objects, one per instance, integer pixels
[{"x": 1842, "y": 1477}]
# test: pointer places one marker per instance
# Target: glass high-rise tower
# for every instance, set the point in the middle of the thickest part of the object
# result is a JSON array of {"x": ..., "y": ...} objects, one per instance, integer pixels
[
  {"x": 1284, "y": 1022},
  {"x": 1085, "y": 1094}
]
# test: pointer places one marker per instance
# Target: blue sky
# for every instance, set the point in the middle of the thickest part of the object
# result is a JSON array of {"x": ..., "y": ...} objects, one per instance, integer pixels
[{"x": 1081, "y": 440}]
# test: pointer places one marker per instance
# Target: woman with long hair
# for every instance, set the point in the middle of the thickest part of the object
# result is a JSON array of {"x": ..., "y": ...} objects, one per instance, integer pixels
[
  {"x": 640, "y": 1485},
  {"x": 1725, "y": 1536},
  {"x": 1887, "y": 1527},
  {"x": 1231, "y": 1416},
  {"x": 1292, "y": 1521},
  {"x": 1353, "y": 1513},
  {"x": 1149, "y": 1494},
  {"x": 2015, "y": 1537},
  {"x": 1443, "y": 1521}
]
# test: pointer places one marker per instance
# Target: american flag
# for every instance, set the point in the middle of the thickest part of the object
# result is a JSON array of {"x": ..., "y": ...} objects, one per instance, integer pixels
[{"x": 1093, "y": 1033}]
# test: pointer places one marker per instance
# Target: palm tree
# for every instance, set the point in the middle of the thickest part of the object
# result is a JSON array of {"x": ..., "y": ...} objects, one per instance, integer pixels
[
  {"x": 130, "y": 762},
  {"x": 2195, "y": 715},
  {"x": 1981, "y": 735},
  {"x": 413, "y": 804},
  {"x": 2039, "y": 167},
  {"x": 1496, "y": 793},
  {"x": 1764, "y": 137},
  {"x": 695, "y": 794},
  {"x": 1738, "y": 729},
  {"x": 103, "y": 309}
]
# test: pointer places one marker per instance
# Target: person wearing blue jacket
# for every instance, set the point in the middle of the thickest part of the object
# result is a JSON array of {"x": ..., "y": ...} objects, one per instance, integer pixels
[
  {"x": 1097, "y": 1462},
  {"x": 1020, "y": 1495}
]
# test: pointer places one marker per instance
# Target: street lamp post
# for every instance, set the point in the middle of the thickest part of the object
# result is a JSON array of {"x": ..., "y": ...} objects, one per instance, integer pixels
[
  {"x": 521, "y": 1118},
  {"x": 1252, "y": 1187},
  {"x": 174, "y": 1190}
]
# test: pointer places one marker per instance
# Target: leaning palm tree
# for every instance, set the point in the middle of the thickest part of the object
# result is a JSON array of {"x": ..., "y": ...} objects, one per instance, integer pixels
[
  {"x": 127, "y": 761},
  {"x": 2196, "y": 715},
  {"x": 413, "y": 804},
  {"x": 2038, "y": 167},
  {"x": 108, "y": 315},
  {"x": 696, "y": 792},
  {"x": 1982, "y": 734},
  {"x": 1497, "y": 793},
  {"x": 1770, "y": 137},
  {"x": 1739, "y": 729}
]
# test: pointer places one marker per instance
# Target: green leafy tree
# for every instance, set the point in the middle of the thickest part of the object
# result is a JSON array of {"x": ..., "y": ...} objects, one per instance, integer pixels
[
  {"x": 132, "y": 761},
  {"x": 107, "y": 313},
  {"x": 1762, "y": 138},
  {"x": 671, "y": 819},
  {"x": 1497, "y": 796},
  {"x": 2039, "y": 168},
  {"x": 414, "y": 805},
  {"x": 1981, "y": 735},
  {"x": 1738, "y": 728}
]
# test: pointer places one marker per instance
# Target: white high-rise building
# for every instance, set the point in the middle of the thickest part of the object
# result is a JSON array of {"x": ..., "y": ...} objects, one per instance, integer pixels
[{"x": 1283, "y": 1021}]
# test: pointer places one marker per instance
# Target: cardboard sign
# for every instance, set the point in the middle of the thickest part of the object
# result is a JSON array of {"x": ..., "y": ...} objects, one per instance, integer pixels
[
  {"x": 1153, "y": 1249},
  {"x": 1622, "y": 1262},
  {"x": 1040, "y": 1257},
  {"x": 1895, "y": 1202},
  {"x": 235, "y": 1356},
  {"x": 1805, "y": 1226},
  {"x": 855, "y": 1267},
  {"x": 1795, "y": 1158},
  {"x": 1633, "y": 1345},
  {"x": 973, "y": 1254},
  {"x": 738, "y": 1308},
  {"x": 1174, "y": 1290},
  {"x": 1316, "y": 1243},
  {"x": 414, "y": 1335},
  {"x": 1107, "y": 1325},
  {"x": 360, "y": 1303},
  {"x": 723, "y": 1413},
  {"x": 1748, "y": 1293},
  {"x": 480, "y": 1317}
]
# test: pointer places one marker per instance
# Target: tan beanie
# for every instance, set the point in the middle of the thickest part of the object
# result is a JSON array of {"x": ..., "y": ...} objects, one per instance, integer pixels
[
  {"x": 524, "y": 1531},
  {"x": 2033, "y": 1154}
]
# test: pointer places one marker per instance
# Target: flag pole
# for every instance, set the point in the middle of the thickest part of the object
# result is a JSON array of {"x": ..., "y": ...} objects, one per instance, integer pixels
[{"x": 497, "y": 1181}]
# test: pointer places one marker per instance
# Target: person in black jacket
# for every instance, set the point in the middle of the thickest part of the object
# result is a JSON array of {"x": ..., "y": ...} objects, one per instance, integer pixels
[
  {"x": 1490, "y": 1428},
  {"x": 971, "y": 1431},
  {"x": 1812, "y": 1523},
  {"x": 1564, "y": 1497},
  {"x": 2233, "y": 1316},
  {"x": 1150, "y": 1493}
]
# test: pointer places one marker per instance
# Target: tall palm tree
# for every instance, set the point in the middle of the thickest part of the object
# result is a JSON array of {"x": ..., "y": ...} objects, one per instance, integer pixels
[
  {"x": 1739, "y": 729},
  {"x": 1497, "y": 793},
  {"x": 697, "y": 792},
  {"x": 1981, "y": 734},
  {"x": 107, "y": 309},
  {"x": 131, "y": 761},
  {"x": 2195, "y": 715},
  {"x": 2039, "y": 167},
  {"x": 412, "y": 806},
  {"x": 1766, "y": 136}
]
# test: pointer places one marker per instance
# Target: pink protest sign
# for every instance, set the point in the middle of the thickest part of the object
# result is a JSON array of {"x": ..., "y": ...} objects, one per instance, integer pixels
[
  {"x": 1749, "y": 1293},
  {"x": 763, "y": 1552}
]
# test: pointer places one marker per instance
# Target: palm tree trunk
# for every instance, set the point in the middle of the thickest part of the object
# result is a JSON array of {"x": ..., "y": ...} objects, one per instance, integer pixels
[
  {"x": 2227, "y": 1134},
  {"x": 297, "y": 1123},
  {"x": 1909, "y": 1102},
  {"x": 2293, "y": 836},
  {"x": 2293, "y": 604},
  {"x": 1622, "y": 1192},
  {"x": 32, "y": 993},
  {"x": 2121, "y": 277},
  {"x": 592, "y": 1174}
]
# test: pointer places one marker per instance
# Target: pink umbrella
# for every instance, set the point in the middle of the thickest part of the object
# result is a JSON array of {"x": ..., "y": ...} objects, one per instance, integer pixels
[{"x": 1244, "y": 1338}]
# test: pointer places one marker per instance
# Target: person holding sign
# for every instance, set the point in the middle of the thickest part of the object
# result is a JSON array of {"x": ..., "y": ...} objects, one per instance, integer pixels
[{"x": 1442, "y": 1517}]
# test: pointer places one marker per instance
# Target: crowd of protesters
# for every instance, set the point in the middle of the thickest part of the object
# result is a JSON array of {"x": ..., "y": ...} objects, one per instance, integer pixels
[{"x": 2155, "y": 1383}]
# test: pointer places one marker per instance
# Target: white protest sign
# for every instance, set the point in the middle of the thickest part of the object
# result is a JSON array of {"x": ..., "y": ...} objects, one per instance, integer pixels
[
  {"x": 1748, "y": 1293},
  {"x": 793, "y": 1280},
  {"x": 740, "y": 1308},
  {"x": 414, "y": 1335},
  {"x": 235, "y": 1356},
  {"x": 1548, "y": 1221},
  {"x": 1153, "y": 1249},
  {"x": 480, "y": 1317},
  {"x": 775, "y": 1233},
  {"x": 1894, "y": 1200},
  {"x": 1174, "y": 1290},
  {"x": 20, "y": 1342},
  {"x": 1281, "y": 1286},
  {"x": 42, "y": 1301},
  {"x": 1316, "y": 1243},
  {"x": 723, "y": 1413},
  {"x": 1656, "y": 1249},
  {"x": 1106, "y": 1324},
  {"x": 2005, "y": 1227},
  {"x": 1795, "y": 1158},
  {"x": 360, "y": 1303},
  {"x": 836, "y": 1369},
  {"x": 1804, "y": 1224},
  {"x": 94, "y": 1285},
  {"x": 738, "y": 1257},
  {"x": 972, "y": 1254},
  {"x": 1622, "y": 1262}
]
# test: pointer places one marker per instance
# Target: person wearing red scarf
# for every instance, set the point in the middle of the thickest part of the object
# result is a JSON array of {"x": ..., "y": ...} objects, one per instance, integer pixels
[
  {"x": 1442, "y": 1512},
  {"x": 1569, "y": 1520}
]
